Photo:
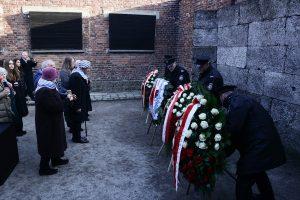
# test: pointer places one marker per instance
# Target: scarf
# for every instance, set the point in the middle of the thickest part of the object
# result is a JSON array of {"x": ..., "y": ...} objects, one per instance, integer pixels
[
  {"x": 44, "y": 83},
  {"x": 82, "y": 74}
]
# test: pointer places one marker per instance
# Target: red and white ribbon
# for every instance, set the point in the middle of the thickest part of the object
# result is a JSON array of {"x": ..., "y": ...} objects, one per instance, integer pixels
[
  {"x": 170, "y": 119},
  {"x": 179, "y": 137}
]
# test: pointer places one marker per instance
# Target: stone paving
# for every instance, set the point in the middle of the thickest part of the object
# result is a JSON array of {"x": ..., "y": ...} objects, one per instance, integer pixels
[{"x": 119, "y": 163}]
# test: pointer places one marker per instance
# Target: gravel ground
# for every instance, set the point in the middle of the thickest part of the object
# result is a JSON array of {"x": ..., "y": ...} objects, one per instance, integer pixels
[{"x": 119, "y": 163}]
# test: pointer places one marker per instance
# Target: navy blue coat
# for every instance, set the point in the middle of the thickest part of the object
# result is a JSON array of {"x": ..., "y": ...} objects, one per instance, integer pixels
[
  {"x": 254, "y": 135},
  {"x": 211, "y": 80}
]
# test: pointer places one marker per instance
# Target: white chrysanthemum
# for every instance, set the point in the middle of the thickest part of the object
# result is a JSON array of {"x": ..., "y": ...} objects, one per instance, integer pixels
[
  {"x": 218, "y": 137},
  {"x": 181, "y": 100},
  {"x": 178, "y": 114},
  {"x": 184, "y": 109},
  {"x": 199, "y": 97},
  {"x": 174, "y": 111},
  {"x": 185, "y": 144},
  {"x": 218, "y": 126},
  {"x": 180, "y": 106},
  {"x": 214, "y": 111},
  {"x": 192, "y": 94},
  {"x": 189, "y": 97},
  {"x": 194, "y": 125},
  {"x": 217, "y": 146},
  {"x": 203, "y": 102},
  {"x": 184, "y": 95},
  {"x": 202, "y": 116},
  {"x": 202, "y": 145},
  {"x": 197, "y": 143},
  {"x": 202, "y": 137},
  {"x": 176, "y": 104},
  {"x": 188, "y": 133},
  {"x": 204, "y": 124}
]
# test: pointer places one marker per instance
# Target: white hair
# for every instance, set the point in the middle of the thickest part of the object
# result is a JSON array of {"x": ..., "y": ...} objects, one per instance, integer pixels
[
  {"x": 47, "y": 63},
  {"x": 3, "y": 71}
]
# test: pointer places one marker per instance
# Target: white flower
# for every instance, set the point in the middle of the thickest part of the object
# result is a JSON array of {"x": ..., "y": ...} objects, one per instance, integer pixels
[
  {"x": 184, "y": 95},
  {"x": 189, "y": 97},
  {"x": 202, "y": 145},
  {"x": 192, "y": 94},
  {"x": 202, "y": 116},
  {"x": 184, "y": 109},
  {"x": 218, "y": 137},
  {"x": 181, "y": 100},
  {"x": 180, "y": 106},
  {"x": 203, "y": 101},
  {"x": 202, "y": 137},
  {"x": 217, "y": 146},
  {"x": 194, "y": 125},
  {"x": 188, "y": 133},
  {"x": 214, "y": 111},
  {"x": 176, "y": 104},
  {"x": 199, "y": 97},
  {"x": 178, "y": 114},
  {"x": 218, "y": 126},
  {"x": 184, "y": 145},
  {"x": 204, "y": 124},
  {"x": 197, "y": 143},
  {"x": 174, "y": 111}
]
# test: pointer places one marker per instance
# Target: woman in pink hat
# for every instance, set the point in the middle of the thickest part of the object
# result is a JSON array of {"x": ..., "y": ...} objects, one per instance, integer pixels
[{"x": 49, "y": 122}]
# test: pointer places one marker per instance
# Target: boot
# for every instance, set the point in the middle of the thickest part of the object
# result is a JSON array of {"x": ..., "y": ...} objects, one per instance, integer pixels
[
  {"x": 45, "y": 169},
  {"x": 80, "y": 140},
  {"x": 59, "y": 161}
]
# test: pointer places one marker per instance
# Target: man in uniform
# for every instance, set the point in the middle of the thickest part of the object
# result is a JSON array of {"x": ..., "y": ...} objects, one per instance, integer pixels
[
  {"x": 254, "y": 135},
  {"x": 209, "y": 77},
  {"x": 174, "y": 73}
]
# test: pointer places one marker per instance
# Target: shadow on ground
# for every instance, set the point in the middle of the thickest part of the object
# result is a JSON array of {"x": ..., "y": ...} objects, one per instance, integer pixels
[{"x": 119, "y": 164}]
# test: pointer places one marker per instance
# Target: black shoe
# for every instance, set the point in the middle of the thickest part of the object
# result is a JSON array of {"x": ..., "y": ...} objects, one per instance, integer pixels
[
  {"x": 21, "y": 133},
  {"x": 81, "y": 140},
  {"x": 81, "y": 129},
  {"x": 56, "y": 162},
  {"x": 47, "y": 172}
]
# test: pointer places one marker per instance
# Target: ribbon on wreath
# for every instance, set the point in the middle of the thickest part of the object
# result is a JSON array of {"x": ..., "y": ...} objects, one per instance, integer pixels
[
  {"x": 144, "y": 83},
  {"x": 170, "y": 118},
  {"x": 178, "y": 140},
  {"x": 157, "y": 96}
]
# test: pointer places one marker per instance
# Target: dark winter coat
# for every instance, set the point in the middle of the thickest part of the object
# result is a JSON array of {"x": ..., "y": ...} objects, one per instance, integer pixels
[
  {"x": 19, "y": 98},
  {"x": 254, "y": 135},
  {"x": 179, "y": 76},
  {"x": 26, "y": 71},
  {"x": 49, "y": 122},
  {"x": 211, "y": 80},
  {"x": 80, "y": 87}
]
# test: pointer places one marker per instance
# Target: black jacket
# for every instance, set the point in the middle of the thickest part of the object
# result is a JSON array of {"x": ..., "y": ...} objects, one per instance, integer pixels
[
  {"x": 211, "y": 80},
  {"x": 178, "y": 77},
  {"x": 27, "y": 74},
  {"x": 49, "y": 122},
  {"x": 254, "y": 135},
  {"x": 80, "y": 87}
]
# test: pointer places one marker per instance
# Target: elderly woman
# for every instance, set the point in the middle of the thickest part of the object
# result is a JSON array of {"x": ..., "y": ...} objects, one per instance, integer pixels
[
  {"x": 38, "y": 74},
  {"x": 49, "y": 122},
  {"x": 6, "y": 114},
  {"x": 79, "y": 85}
]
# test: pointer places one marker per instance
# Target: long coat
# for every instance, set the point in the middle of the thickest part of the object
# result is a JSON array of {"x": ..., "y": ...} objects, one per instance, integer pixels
[
  {"x": 80, "y": 87},
  {"x": 27, "y": 74},
  {"x": 254, "y": 135},
  {"x": 211, "y": 80},
  {"x": 49, "y": 122}
]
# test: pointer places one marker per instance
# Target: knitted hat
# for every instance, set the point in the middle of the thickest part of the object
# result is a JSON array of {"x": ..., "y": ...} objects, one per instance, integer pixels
[
  {"x": 49, "y": 73},
  {"x": 84, "y": 64}
]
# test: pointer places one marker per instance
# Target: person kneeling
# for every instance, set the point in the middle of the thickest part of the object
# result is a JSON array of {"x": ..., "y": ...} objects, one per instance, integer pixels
[{"x": 49, "y": 122}]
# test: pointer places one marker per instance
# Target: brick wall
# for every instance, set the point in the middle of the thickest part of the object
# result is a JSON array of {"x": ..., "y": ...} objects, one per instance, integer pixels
[
  {"x": 111, "y": 71},
  {"x": 257, "y": 46}
]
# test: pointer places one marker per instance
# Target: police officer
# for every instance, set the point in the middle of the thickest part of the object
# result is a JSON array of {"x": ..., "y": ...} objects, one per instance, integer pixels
[
  {"x": 255, "y": 136},
  {"x": 209, "y": 77},
  {"x": 174, "y": 73}
]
